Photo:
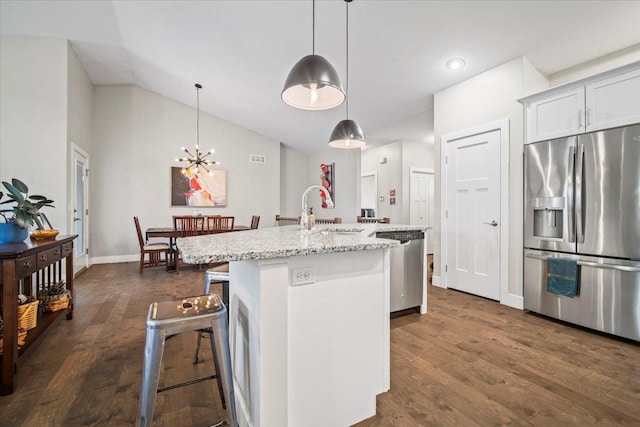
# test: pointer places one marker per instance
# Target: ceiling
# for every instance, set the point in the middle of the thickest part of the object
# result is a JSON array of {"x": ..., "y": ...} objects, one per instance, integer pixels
[{"x": 242, "y": 51}]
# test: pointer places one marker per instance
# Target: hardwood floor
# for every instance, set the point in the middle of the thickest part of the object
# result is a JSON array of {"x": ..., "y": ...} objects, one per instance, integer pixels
[{"x": 469, "y": 361}]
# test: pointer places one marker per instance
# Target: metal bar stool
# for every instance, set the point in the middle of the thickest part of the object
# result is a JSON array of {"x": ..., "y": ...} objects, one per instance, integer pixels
[
  {"x": 217, "y": 274},
  {"x": 168, "y": 318}
]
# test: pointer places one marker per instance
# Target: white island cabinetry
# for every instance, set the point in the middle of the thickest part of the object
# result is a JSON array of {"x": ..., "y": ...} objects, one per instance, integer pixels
[{"x": 309, "y": 320}]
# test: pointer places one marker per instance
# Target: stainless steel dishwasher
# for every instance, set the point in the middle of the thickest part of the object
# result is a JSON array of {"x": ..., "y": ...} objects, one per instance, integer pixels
[{"x": 407, "y": 268}]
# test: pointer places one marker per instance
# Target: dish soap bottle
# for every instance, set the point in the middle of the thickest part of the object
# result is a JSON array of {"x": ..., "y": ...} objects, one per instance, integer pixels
[{"x": 311, "y": 220}]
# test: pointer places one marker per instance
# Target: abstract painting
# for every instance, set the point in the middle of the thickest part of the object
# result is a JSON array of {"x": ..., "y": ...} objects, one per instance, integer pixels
[
  {"x": 199, "y": 190},
  {"x": 327, "y": 181}
]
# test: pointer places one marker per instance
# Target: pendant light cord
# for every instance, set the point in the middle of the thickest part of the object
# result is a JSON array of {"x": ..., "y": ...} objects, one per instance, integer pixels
[
  {"x": 313, "y": 28},
  {"x": 198, "y": 116},
  {"x": 347, "y": 32}
]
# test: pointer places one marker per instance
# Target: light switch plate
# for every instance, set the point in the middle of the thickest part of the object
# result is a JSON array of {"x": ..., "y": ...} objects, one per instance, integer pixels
[{"x": 303, "y": 276}]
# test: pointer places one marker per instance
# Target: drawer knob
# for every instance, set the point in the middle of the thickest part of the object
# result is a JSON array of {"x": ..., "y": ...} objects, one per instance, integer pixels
[{"x": 27, "y": 264}]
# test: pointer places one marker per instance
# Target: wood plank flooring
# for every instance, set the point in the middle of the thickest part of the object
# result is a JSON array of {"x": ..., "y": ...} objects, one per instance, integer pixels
[{"x": 468, "y": 362}]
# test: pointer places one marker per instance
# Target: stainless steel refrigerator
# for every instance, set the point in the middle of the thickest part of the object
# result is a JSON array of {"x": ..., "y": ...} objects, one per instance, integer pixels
[{"x": 582, "y": 205}]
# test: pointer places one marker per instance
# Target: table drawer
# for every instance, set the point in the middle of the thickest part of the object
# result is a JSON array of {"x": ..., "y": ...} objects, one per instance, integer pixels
[
  {"x": 26, "y": 266},
  {"x": 48, "y": 257},
  {"x": 67, "y": 249}
]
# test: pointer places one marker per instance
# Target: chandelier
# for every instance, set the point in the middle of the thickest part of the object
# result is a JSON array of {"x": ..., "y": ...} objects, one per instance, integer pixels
[{"x": 198, "y": 161}]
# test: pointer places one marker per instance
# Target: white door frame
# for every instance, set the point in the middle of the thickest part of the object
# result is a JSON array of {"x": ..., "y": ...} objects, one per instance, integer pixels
[
  {"x": 375, "y": 183},
  {"x": 503, "y": 127},
  {"x": 75, "y": 149}
]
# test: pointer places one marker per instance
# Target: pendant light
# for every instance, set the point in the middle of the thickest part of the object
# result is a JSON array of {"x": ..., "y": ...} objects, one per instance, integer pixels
[
  {"x": 347, "y": 133},
  {"x": 313, "y": 83},
  {"x": 199, "y": 161}
]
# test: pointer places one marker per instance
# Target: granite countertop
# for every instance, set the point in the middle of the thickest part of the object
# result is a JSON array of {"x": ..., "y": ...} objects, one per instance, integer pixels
[{"x": 286, "y": 241}]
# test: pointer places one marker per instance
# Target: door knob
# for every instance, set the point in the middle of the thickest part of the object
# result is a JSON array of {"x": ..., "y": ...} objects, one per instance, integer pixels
[{"x": 492, "y": 223}]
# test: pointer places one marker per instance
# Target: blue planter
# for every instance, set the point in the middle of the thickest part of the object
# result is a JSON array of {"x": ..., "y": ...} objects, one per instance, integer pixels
[{"x": 11, "y": 233}]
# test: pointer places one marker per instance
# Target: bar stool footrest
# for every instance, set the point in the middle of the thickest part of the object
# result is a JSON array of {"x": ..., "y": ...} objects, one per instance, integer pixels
[{"x": 186, "y": 383}]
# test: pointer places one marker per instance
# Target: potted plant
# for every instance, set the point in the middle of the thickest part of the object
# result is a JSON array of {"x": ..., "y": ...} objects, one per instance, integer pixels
[{"x": 23, "y": 211}]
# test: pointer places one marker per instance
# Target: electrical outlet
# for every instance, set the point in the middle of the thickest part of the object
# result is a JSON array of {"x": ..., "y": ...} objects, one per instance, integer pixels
[{"x": 303, "y": 276}]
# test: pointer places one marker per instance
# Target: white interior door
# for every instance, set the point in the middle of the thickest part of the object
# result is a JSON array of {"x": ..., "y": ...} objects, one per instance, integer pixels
[
  {"x": 369, "y": 191},
  {"x": 421, "y": 189},
  {"x": 472, "y": 214},
  {"x": 80, "y": 211}
]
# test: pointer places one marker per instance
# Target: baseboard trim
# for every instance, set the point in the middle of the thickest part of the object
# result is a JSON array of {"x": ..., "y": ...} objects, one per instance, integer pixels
[
  {"x": 511, "y": 300},
  {"x": 114, "y": 259},
  {"x": 435, "y": 281}
]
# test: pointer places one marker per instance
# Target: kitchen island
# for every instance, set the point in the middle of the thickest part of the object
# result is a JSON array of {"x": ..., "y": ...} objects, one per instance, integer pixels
[{"x": 309, "y": 320}]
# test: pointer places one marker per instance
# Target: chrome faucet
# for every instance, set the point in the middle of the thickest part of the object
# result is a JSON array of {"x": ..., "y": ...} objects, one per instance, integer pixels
[{"x": 304, "y": 219}]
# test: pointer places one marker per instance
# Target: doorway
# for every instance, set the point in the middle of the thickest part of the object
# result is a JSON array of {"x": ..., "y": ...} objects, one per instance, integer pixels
[
  {"x": 474, "y": 210},
  {"x": 369, "y": 194},
  {"x": 422, "y": 197},
  {"x": 80, "y": 203}
]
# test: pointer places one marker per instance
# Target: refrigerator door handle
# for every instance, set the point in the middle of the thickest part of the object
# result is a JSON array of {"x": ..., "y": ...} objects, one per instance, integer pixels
[
  {"x": 610, "y": 266},
  {"x": 536, "y": 256},
  {"x": 570, "y": 205},
  {"x": 578, "y": 194}
]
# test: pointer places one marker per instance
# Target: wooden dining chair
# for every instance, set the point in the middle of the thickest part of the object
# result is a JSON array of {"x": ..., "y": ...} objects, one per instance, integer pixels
[
  {"x": 287, "y": 220},
  {"x": 369, "y": 220},
  {"x": 328, "y": 220},
  {"x": 218, "y": 223},
  {"x": 255, "y": 220},
  {"x": 153, "y": 252},
  {"x": 187, "y": 226}
]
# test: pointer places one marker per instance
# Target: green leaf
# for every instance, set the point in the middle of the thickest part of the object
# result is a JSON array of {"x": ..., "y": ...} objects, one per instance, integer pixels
[
  {"x": 35, "y": 197},
  {"x": 13, "y": 190},
  {"x": 20, "y": 185}
]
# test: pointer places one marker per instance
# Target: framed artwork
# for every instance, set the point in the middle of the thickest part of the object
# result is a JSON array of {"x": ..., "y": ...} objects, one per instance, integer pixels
[
  {"x": 199, "y": 190},
  {"x": 327, "y": 181}
]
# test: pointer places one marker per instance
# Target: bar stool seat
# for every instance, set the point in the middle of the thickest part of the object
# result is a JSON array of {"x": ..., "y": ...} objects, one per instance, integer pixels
[{"x": 168, "y": 318}]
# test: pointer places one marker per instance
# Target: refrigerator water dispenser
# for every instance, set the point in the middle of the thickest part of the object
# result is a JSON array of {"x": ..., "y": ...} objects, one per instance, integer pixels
[{"x": 548, "y": 213}]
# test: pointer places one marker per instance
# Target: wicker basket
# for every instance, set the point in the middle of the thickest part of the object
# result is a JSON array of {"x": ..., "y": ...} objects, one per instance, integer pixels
[
  {"x": 55, "y": 302},
  {"x": 28, "y": 315},
  {"x": 22, "y": 337}
]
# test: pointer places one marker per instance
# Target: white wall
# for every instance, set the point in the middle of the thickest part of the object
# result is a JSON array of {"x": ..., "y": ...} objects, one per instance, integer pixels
[
  {"x": 486, "y": 98},
  {"x": 33, "y": 119},
  {"x": 346, "y": 183},
  {"x": 136, "y": 136},
  {"x": 79, "y": 121},
  {"x": 293, "y": 180},
  {"x": 395, "y": 174}
]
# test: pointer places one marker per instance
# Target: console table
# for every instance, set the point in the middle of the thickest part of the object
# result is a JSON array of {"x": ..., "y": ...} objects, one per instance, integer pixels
[{"x": 26, "y": 268}]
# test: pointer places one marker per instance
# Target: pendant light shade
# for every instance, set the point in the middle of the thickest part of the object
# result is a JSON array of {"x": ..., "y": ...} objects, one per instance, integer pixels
[
  {"x": 313, "y": 84},
  {"x": 347, "y": 133}
]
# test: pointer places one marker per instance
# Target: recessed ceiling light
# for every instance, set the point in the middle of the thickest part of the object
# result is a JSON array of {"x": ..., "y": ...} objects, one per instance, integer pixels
[{"x": 455, "y": 63}]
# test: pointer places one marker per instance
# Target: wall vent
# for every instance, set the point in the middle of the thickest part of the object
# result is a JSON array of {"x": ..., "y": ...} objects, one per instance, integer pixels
[{"x": 257, "y": 158}]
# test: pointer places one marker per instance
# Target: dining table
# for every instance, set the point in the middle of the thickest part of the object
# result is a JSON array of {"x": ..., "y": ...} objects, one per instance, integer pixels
[{"x": 171, "y": 234}]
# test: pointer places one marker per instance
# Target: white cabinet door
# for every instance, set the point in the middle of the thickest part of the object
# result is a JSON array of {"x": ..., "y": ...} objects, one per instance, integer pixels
[
  {"x": 557, "y": 115},
  {"x": 613, "y": 102}
]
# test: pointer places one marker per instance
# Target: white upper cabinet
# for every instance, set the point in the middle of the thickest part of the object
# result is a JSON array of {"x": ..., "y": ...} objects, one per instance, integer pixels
[
  {"x": 556, "y": 115},
  {"x": 612, "y": 100}
]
